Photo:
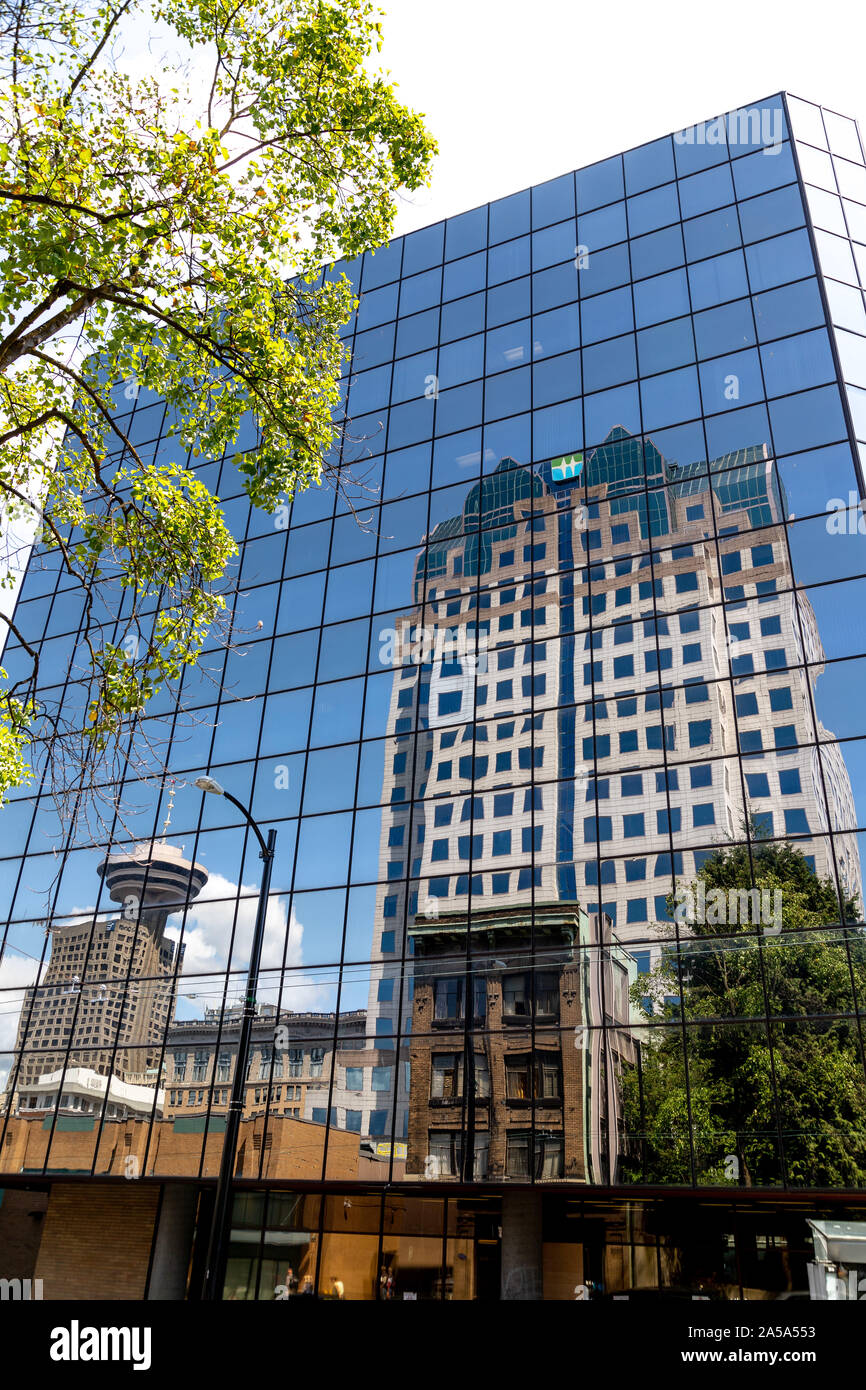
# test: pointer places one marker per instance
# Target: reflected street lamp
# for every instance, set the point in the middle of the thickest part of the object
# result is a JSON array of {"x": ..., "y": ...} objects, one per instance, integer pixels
[{"x": 218, "y": 1242}]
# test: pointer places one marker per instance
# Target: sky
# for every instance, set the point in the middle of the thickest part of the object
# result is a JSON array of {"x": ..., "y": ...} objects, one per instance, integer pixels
[{"x": 517, "y": 93}]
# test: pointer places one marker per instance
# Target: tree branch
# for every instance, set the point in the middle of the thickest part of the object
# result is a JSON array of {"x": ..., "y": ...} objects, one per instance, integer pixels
[
  {"x": 89, "y": 62},
  {"x": 52, "y": 297},
  {"x": 20, "y": 348}
]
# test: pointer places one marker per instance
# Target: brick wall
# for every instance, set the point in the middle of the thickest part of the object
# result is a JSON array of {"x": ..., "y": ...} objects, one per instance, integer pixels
[
  {"x": 133, "y": 1149},
  {"x": 96, "y": 1242}
]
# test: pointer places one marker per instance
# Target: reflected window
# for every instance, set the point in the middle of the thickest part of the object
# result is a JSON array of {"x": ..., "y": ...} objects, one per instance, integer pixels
[
  {"x": 446, "y": 1077},
  {"x": 521, "y": 991},
  {"x": 533, "y": 1077},
  {"x": 539, "y": 1155},
  {"x": 449, "y": 996},
  {"x": 445, "y": 1154}
]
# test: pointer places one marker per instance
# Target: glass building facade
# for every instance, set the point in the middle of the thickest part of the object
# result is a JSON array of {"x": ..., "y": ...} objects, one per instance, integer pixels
[{"x": 555, "y": 705}]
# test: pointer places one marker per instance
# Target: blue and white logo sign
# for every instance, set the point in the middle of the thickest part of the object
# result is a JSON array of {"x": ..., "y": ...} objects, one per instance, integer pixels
[{"x": 566, "y": 469}]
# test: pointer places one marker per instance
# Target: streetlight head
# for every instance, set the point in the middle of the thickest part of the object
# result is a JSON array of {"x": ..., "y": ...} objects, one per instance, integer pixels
[{"x": 209, "y": 784}]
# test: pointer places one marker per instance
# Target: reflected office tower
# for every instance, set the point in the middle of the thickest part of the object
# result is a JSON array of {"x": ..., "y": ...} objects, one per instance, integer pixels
[
  {"x": 699, "y": 647},
  {"x": 579, "y": 638},
  {"x": 442, "y": 849},
  {"x": 106, "y": 991}
]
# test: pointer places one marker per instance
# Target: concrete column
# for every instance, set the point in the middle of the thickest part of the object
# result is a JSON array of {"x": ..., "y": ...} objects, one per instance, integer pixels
[
  {"x": 522, "y": 1250},
  {"x": 172, "y": 1243}
]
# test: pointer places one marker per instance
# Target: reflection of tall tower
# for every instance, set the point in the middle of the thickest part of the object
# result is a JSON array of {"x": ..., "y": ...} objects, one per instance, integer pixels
[
  {"x": 585, "y": 659},
  {"x": 104, "y": 991},
  {"x": 479, "y": 713},
  {"x": 700, "y": 648}
]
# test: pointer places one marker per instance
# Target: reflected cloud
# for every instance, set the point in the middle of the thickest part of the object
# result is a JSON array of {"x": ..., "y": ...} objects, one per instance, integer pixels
[{"x": 221, "y": 921}]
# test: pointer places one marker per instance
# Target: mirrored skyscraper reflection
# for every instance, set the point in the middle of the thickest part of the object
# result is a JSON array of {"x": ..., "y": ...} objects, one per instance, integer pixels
[{"x": 584, "y": 661}]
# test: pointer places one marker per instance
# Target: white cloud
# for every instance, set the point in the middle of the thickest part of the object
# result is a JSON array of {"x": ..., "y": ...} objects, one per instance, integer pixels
[
  {"x": 207, "y": 939},
  {"x": 15, "y": 973}
]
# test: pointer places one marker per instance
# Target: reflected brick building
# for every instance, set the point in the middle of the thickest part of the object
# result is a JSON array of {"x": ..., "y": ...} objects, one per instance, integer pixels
[
  {"x": 290, "y": 1067},
  {"x": 516, "y": 1052}
]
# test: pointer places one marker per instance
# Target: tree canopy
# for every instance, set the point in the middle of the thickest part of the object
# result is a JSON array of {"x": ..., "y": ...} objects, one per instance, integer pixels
[
  {"x": 770, "y": 1105},
  {"x": 161, "y": 237}
]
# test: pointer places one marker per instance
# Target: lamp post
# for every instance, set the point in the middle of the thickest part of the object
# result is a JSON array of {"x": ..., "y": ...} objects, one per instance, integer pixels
[{"x": 217, "y": 1252}]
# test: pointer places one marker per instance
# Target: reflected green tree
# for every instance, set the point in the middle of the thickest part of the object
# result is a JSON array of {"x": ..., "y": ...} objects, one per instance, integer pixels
[{"x": 755, "y": 1076}]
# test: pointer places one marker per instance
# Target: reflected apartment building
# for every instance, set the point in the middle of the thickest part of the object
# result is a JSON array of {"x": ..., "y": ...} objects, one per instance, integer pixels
[
  {"x": 516, "y": 1058},
  {"x": 593, "y": 634},
  {"x": 290, "y": 1067}
]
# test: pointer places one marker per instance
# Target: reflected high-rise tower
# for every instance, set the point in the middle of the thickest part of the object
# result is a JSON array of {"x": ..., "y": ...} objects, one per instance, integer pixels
[
  {"x": 699, "y": 648},
  {"x": 452, "y": 679},
  {"x": 582, "y": 666},
  {"x": 106, "y": 991}
]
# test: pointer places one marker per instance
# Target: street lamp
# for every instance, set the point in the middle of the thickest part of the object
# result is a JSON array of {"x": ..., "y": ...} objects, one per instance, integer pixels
[
  {"x": 210, "y": 784},
  {"x": 217, "y": 1253}
]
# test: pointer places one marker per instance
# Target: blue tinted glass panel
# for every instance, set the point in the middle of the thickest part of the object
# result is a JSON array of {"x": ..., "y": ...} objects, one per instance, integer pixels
[
  {"x": 649, "y": 165},
  {"x": 599, "y": 184}
]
